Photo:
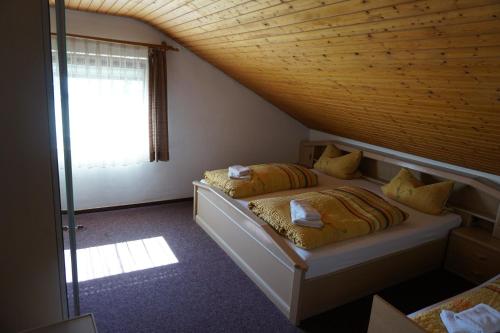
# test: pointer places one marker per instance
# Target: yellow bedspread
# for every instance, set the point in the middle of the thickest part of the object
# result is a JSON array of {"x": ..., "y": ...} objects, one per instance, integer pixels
[
  {"x": 265, "y": 178},
  {"x": 346, "y": 211},
  {"x": 488, "y": 293}
]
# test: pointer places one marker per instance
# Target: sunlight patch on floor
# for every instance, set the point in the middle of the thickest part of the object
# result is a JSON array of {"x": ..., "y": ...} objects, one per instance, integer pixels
[{"x": 112, "y": 259}]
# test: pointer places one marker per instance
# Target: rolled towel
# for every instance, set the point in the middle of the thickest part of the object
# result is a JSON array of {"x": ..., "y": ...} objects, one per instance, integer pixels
[
  {"x": 304, "y": 214},
  {"x": 238, "y": 172},
  {"x": 481, "y": 318}
]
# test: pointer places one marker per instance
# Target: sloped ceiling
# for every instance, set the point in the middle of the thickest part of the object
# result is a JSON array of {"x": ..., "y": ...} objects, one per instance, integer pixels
[{"x": 421, "y": 77}]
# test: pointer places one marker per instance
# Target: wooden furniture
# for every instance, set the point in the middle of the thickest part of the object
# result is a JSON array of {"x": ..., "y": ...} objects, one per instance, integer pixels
[
  {"x": 385, "y": 318},
  {"x": 473, "y": 254},
  {"x": 477, "y": 200},
  {"x": 279, "y": 271},
  {"x": 81, "y": 324}
]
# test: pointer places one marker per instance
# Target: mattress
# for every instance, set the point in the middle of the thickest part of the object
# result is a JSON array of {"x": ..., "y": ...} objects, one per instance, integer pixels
[{"x": 418, "y": 229}]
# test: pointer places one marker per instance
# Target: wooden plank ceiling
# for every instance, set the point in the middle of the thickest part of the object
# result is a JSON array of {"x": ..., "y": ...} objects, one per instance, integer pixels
[{"x": 422, "y": 77}]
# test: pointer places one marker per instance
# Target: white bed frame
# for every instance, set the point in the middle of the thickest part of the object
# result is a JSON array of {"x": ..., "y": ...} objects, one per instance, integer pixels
[{"x": 279, "y": 272}]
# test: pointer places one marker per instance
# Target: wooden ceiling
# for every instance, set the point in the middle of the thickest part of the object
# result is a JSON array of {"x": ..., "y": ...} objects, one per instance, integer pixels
[{"x": 422, "y": 77}]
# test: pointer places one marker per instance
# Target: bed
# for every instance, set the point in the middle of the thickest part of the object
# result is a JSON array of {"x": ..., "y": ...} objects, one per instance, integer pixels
[
  {"x": 386, "y": 319},
  {"x": 419, "y": 229},
  {"x": 304, "y": 283}
]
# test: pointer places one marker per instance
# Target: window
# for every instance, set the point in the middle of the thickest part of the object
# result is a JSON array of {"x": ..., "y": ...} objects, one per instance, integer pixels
[{"x": 108, "y": 103}]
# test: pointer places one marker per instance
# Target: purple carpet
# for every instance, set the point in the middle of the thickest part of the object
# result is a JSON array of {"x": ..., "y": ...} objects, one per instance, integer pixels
[{"x": 205, "y": 291}]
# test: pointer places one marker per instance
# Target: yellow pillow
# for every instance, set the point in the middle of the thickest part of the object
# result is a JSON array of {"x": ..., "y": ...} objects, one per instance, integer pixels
[
  {"x": 344, "y": 166},
  {"x": 408, "y": 190},
  {"x": 329, "y": 152}
]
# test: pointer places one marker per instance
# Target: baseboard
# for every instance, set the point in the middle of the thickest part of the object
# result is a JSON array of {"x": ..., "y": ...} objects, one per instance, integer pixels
[{"x": 142, "y": 204}]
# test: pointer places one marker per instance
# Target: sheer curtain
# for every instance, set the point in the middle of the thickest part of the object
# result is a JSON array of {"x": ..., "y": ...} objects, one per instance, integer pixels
[{"x": 108, "y": 102}]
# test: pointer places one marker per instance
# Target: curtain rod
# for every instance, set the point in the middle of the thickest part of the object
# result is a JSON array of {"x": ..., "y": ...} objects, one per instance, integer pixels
[{"x": 162, "y": 46}]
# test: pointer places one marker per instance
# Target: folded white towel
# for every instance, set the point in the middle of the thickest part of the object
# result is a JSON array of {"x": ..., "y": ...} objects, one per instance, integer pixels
[
  {"x": 304, "y": 214},
  {"x": 302, "y": 209},
  {"x": 238, "y": 172},
  {"x": 452, "y": 324},
  {"x": 481, "y": 318},
  {"x": 313, "y": 224}
]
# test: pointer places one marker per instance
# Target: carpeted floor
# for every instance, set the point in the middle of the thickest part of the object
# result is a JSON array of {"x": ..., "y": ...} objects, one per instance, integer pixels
[{"x": 205, "y": 291}]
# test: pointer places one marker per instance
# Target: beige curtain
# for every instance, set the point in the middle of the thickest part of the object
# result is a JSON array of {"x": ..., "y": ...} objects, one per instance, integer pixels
[{"x": 158, "y": 120}]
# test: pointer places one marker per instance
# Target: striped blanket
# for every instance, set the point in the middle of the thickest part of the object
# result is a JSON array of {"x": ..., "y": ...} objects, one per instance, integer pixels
[
  {"x": 488, "y": 293},
  {"x": 265, "y": 178},
  {"x": 347, "y": 212}
]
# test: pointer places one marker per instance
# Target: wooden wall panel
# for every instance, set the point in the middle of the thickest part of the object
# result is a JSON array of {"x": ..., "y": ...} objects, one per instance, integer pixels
[{"x": 421, "y": 77}]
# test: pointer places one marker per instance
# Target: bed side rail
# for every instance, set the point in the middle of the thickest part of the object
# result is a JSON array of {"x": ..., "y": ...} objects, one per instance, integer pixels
[{"x": 272, "y": 237}]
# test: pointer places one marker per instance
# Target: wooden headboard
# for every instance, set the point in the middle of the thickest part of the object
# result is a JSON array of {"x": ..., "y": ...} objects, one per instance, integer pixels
[{"x": 476, "y": 199}]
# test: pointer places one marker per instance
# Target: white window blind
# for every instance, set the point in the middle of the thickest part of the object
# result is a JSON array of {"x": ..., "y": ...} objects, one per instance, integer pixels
[{"x": 108, "y": 103}]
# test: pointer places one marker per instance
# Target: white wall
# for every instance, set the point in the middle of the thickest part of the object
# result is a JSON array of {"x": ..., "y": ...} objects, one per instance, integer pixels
[
  {"x": 213, "y": 121},
  {"x": 318, "y": 136}
]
